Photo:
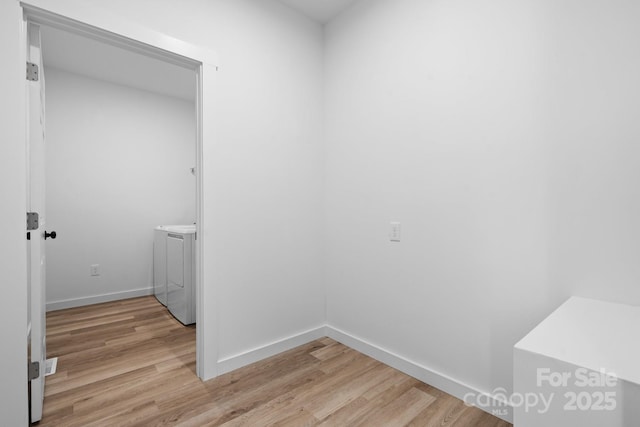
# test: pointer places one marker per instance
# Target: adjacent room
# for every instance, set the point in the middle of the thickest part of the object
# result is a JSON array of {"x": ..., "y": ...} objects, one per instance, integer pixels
[
  {"x": 121, "y": 152},
  {"x": 388, "y": 212}
]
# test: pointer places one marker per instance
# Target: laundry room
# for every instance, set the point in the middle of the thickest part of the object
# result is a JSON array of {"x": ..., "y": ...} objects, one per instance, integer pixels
[{"x": 120, "y": 161}]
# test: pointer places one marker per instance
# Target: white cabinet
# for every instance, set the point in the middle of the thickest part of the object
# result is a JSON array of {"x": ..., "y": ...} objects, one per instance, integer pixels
[{"x": 580, "y": 367}]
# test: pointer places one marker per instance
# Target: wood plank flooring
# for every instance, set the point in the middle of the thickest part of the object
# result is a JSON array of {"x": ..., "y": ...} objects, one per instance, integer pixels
[{"x": 130, "y": 363}]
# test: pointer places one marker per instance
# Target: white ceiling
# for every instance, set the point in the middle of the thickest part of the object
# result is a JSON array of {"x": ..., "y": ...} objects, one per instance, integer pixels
[
  {"x": 320, "y": 10},
  {"x": 98, "y": 60}
]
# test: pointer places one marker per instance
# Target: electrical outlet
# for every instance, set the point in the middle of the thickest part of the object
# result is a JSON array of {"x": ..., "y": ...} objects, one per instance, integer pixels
[
  {"x": 394, "y": 234},
  {"x": 95, "y": 269}
]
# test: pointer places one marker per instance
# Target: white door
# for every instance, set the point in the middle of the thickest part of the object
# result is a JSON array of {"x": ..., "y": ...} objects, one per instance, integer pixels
[{"x": 35, "y": 201}]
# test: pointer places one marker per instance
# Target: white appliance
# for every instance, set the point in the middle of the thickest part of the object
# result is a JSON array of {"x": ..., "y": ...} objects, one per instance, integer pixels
[
  {"x": 181, "y": 273},
  {"x": 160, "y": 264}
]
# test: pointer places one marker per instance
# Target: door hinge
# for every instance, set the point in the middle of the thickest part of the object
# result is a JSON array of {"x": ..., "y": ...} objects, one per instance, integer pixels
[
  {"x": 34, "y": 370},
  {"x": 32, "y": 72},
  {"x": 32, "y": 221}
]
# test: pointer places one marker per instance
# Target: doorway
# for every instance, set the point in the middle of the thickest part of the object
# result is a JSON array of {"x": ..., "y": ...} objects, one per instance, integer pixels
[
  {"x": 121, "y": 156},
  {"x": 58, "y": 23}
]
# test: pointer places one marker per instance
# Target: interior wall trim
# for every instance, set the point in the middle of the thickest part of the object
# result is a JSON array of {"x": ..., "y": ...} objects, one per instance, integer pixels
[
  {"x": 232, "y": 363},
  {"x": 97, "y": 299},
  {"x": 496, "y": 405}
]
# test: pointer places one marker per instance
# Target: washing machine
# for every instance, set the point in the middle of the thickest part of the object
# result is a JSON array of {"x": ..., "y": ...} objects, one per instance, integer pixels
[
  {"x": 181, "y": 273},
  {"x": 160, "y": 264}
]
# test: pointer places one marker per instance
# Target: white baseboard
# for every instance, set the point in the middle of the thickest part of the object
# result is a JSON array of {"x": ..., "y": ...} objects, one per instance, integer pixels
[
  {"x": 97, "y": 299},
  {"x": 232, "y": 363},
  {"x": 494, "y": 405}
]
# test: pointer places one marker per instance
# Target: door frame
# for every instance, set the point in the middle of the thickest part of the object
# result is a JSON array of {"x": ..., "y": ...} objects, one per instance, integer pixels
[{"x": 98, "y": 24}]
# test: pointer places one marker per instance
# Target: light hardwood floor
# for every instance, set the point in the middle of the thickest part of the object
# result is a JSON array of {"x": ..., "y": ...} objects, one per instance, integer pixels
[{"x": 131, "y": 363}]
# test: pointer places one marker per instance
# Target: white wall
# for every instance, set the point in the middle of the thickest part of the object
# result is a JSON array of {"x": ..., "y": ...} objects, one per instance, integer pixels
[
  {"x": 503, "y": 135},
  {"x": 118, "y": 164},
  {"x": 13, "y": 248},
  {"x": 594, "y": 160}
]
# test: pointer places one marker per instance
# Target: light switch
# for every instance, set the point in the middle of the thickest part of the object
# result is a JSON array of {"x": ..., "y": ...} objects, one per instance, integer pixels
[{"x": 395, "y": 235}]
